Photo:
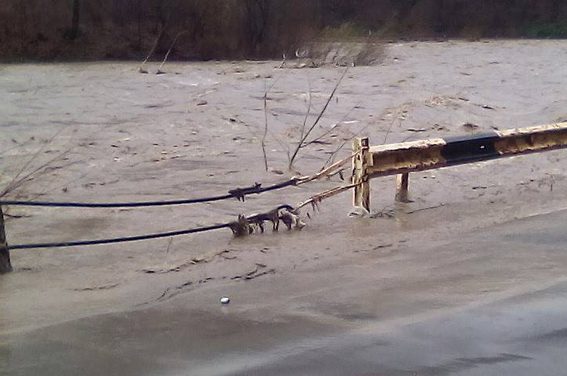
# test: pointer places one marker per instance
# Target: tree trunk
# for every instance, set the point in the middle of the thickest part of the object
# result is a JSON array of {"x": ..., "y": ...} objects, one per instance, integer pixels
[{"x": 74, "y": 32}]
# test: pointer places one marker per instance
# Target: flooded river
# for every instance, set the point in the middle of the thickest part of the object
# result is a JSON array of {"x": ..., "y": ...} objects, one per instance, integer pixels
[{"x": 465, "y": 279}]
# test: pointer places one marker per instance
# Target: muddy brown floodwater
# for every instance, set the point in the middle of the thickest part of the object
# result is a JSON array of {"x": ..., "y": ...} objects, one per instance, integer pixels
[{"x": 108, "y": 133}]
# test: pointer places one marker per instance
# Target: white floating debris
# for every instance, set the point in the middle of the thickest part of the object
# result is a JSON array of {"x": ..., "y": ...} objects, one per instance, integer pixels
[
  {"x": 358, "y": 211},
  {"x": 225, "y": 300}
]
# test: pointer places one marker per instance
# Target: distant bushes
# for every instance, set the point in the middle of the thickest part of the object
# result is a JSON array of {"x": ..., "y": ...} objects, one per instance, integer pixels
[
  {"x": 253, "y": 29},
  {"x": 205, "y": 29},
  {"x": 551, "y": 30}
]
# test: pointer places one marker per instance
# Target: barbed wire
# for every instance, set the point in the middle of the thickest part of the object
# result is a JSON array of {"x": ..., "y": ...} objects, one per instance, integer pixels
[
  {"x": 314, "y": 200},
  {"x": 118, "y": 240},
  {"x": 239, "y": 227},
  {"x": 238, "y": 193}
]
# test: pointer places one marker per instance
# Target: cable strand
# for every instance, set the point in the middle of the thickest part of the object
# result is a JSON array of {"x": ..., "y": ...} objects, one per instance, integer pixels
[
  {"x": 117, "y": 240},
  {"x": 238, "y": 193}
]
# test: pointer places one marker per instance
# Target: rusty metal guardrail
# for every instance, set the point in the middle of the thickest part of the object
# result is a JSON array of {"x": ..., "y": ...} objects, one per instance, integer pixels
[{"x": 400, "y": 159}]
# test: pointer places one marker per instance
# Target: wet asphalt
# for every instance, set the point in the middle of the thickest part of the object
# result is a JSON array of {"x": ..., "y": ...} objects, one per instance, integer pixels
[
  {"x": 524, "y": 335},
  {"x": 521, "y": 330}
]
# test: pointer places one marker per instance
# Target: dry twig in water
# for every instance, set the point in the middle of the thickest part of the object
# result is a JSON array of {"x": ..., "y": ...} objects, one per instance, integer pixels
[
  {"x": 265, "y": 134},
  {"x": 263, "y": 142},
  {"x": 327, "y": 171},
  {"x": 316, "y": 199},
  {"x": 159, "y": 71},
  {"x": 305, "y": 134},
  {"x": 330, "y": 130},
  {"x": 141, "y": 69}
]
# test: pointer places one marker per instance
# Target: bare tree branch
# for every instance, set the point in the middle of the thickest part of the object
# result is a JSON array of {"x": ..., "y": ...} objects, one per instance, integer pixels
[{"x": 316, "y": 122}]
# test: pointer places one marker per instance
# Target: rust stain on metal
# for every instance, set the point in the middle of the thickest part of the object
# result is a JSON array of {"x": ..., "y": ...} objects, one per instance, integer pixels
[
  {"x": 416, "y": 157},
  {"x": 525, "y": 140},
  {"x": 405, "y": 146}
]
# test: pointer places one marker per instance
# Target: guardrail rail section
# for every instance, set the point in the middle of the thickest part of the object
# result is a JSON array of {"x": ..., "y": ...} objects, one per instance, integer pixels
[{"x": 400, "y": 159}]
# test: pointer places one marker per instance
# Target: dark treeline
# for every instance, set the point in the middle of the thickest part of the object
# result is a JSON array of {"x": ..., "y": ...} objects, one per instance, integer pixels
[{"x": 215, "y": 29}]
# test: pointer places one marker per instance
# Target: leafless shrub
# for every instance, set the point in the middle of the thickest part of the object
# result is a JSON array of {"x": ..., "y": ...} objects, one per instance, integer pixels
[
  {"x": 347, "y": 53},
  {"x": 35, "y": 167}
]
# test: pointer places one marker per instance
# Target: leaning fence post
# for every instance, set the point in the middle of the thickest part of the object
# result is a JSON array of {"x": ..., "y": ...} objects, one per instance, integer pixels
[
  {"x": 402, "y": 185},
  {"x": 5, "y": 265},
  {"x": 359, "y": 175}
]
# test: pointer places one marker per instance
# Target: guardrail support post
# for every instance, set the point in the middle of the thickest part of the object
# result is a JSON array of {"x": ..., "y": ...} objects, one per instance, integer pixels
[
  {"x": 359, "y": 175},
  {"x": 5, "y": 265},
  {"x": 402, "y": 184}
]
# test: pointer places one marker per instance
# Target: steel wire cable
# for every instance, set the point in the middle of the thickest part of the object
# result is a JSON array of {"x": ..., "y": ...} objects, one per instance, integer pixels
[
  {"x": 238, "y": 193},
  {"x": 117, "y": 240}
]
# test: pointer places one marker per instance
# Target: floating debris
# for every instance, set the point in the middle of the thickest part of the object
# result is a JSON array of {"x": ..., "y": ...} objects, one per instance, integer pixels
[{"x": 225, "y": 300}]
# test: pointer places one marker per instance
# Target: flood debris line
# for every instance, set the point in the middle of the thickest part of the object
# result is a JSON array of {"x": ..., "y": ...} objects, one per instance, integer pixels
[
  {"x": 179, "y": 266},
  {"x": 402, "y": 158},
  {"x": 97, "y": 288},
  {"x": 258, "y": 271},
  {"x": 171, "y": 292},
  {"x": 246, "y": 225}
]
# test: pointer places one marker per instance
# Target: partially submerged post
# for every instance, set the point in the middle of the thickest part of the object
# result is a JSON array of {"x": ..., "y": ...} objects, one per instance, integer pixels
[
  {"x": 402, "y": 185},
  {"x": 5, "y": 265},
  {"x": 359, "y": 174}
]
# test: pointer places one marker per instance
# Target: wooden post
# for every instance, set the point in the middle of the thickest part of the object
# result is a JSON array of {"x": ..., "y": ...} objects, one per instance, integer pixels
[
  {"x": 402, "y": 184},
  {"x": 5, "y": 265},
  {"x": 359, "y": 176}
]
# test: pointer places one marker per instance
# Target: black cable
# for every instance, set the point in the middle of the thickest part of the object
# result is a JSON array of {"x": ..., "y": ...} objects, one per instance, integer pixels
[
  {"x": 115, "y": 204},
  {"x": 238, "y": 193},
  {"x": 117, "y": 240}
]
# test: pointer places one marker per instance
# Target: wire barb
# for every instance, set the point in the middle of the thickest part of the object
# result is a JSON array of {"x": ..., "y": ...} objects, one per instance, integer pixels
[{"x": 240, "y": 193}]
